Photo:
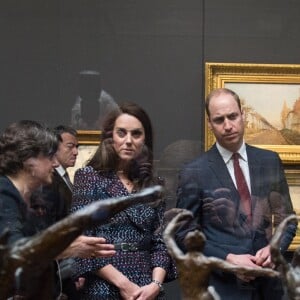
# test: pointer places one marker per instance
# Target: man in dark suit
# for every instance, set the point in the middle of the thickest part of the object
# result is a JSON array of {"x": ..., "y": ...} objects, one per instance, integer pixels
[
  {"x": 238, "y": 225},
  {"x": 58, "y": 198},
  {"x": 59, "y": 193}
]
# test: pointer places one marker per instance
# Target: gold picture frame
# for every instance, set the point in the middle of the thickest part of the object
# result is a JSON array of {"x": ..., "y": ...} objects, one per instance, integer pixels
[
  {"x": 88, "y": 137},
  {"x": 88, "y": 141},
  {"x": 293, "y": 179},
  {"x": 249, "y": 78},
  {"x": 85, "y": 153}
]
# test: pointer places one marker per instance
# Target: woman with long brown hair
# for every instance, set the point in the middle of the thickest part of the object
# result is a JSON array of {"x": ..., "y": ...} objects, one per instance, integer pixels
[{"x": 122, "y": 165}]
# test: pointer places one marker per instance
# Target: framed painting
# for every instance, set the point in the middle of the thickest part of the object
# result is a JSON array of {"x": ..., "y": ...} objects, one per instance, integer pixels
[
  {"x": 85, "y": 153},
  {"x": 293, "y": 179},
  {"x": 270, "y": 96},
  {"x": 88, "y": 137},
  {"x": 88, "y": 141}
]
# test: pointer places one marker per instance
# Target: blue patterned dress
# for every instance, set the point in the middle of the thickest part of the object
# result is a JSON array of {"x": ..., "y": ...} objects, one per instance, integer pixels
[{"x": 136, "y": 224}]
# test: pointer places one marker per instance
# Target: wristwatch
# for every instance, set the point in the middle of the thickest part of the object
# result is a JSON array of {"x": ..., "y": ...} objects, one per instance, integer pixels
[{"x": 161, "y": 288}]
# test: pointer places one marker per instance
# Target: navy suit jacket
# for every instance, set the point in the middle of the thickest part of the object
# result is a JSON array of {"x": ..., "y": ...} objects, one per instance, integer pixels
[
  {"x": 58, "y": 197},
  {"x": 206, "y": 189}
]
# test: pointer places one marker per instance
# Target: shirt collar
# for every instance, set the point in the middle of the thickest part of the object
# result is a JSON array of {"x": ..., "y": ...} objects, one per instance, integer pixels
[
  {"x": 60, "y": 170},
  {"x": 226, "y": 154}
]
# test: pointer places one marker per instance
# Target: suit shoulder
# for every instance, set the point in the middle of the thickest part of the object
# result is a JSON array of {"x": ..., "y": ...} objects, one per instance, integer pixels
[
  {"x": 262, "y": 152},
  {"x": 197, "y": 162}
]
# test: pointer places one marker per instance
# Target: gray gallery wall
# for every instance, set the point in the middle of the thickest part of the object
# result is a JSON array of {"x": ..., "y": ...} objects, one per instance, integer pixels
[{"x": 149, "y": 52}]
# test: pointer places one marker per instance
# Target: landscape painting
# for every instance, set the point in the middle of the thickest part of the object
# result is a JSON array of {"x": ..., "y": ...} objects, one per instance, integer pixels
[{"x": 272, "y": 112}]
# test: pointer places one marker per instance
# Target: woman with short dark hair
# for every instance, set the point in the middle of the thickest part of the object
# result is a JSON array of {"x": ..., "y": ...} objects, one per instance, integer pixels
[
  {"x": 24, "y": 140},
  {"x": 27, "y": 160}
]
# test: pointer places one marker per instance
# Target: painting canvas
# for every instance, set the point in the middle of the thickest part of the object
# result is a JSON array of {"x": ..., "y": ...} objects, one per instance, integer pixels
[{"x": 272, "y": 112}]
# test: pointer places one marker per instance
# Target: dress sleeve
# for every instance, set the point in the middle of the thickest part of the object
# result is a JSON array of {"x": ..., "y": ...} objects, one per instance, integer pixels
[
  {"x": 87, "y": 188},
  {"x": 159, "y": 254},
  {"x": 84, "y": 188}
]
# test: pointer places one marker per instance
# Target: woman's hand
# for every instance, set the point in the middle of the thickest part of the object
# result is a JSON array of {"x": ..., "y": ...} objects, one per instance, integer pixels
[
  {"x": 147, "y": 292},
  {"x": 126, "y": 287},
  {"x": 129, "y": 290}
]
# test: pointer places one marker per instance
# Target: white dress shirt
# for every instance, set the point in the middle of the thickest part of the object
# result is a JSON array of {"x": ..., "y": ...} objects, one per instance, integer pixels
[{"x": 243, "y": 160}]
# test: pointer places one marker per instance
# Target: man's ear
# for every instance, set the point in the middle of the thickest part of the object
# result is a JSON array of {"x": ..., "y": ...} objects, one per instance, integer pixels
[{"x": 243, "y": 116}]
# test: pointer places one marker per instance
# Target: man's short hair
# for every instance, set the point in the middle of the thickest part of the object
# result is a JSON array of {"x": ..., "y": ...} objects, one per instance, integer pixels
[
  {"x": 60, "y": 129},
  {"x": 218, "y": 92}
]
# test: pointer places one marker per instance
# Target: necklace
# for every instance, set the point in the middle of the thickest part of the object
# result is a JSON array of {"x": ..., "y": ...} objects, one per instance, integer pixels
[{"x": 127, "y": 182}]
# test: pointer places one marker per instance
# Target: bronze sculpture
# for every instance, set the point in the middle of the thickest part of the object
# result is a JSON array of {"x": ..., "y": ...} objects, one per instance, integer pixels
[
  {"x": 290, "y": 272},
  {"x": 27, "y": 262},
  {"x": 194, "y": 268}
]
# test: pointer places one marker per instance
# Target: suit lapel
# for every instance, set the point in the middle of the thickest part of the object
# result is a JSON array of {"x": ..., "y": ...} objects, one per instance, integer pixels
[
  {"x": 60, "y": 181},
  {"x": 254, "y": 169},
  {"x": 64, "y": 191},
  {"x": 218, "y": 167}
]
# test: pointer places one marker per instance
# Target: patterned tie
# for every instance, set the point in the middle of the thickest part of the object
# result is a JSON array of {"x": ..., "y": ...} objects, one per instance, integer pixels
[
  {"x": 242, "y": 186},
  {"x": 68, "y": 181}
]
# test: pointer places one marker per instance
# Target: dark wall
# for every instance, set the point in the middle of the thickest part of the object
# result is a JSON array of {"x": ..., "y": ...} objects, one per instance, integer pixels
[
  {"x": 149, "y": 52},
  {"x": 252, "y": 31}
]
